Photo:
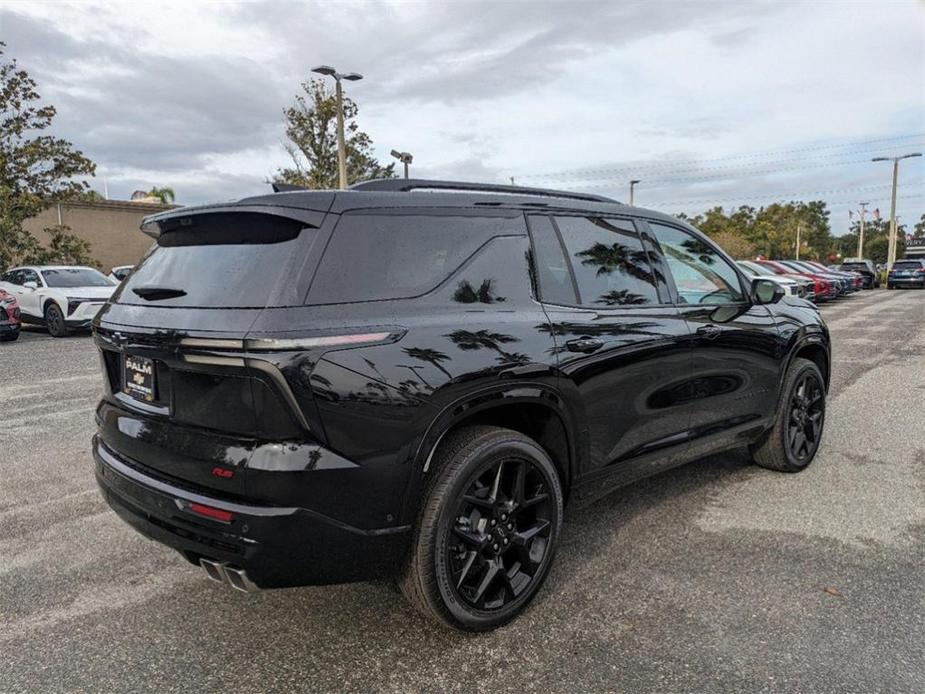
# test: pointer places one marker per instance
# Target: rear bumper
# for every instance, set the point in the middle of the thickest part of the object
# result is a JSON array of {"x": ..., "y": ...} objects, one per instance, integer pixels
[
  {"x": 907, "y": 281},
  {"x": 277, "y": 546},
  {"x": 9, "y": 328}
]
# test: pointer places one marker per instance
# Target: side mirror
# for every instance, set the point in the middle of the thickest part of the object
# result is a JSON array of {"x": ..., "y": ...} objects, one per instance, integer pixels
[
  {"x": 31, "y": 285},
  {"x": 767, "y": 291}
]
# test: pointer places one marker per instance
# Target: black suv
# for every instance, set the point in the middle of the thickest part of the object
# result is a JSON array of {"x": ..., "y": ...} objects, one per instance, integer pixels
[{"x": 411, "y": 378}]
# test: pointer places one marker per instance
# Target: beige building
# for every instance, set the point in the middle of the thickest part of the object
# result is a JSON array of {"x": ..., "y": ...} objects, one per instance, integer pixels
[{"x": 111, "y": 227}]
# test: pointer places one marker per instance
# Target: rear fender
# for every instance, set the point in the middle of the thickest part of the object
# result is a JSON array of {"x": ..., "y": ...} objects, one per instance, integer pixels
[{"x": 478, "y": 406}]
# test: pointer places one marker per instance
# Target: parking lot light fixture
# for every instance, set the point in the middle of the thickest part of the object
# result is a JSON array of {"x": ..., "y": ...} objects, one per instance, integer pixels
[
  {"x": 632, "y": 188},
  {"x": 404, "y": 157},
  {"x": 329, "y": 71},
  {"x": 891, "y": 247}
]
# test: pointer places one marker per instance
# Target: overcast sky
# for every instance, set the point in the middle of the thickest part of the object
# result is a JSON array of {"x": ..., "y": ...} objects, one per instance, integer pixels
[{"x": 706, "y": 102}]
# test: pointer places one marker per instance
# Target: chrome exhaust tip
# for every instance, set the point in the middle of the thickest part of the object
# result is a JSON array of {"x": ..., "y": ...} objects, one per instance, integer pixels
[
  {"x": 220, "y": 572},
  {"x": 213, "y": 570},
  {"x": 237, "y": 579}
]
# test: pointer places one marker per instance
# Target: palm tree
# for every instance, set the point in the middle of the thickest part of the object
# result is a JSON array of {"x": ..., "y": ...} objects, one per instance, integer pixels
[
  {"x": 165, "y": 194},
  {"x": 621, "y": 297},
  {"x": 617, "y": 257},
  {"x": 431, "y": 356}
]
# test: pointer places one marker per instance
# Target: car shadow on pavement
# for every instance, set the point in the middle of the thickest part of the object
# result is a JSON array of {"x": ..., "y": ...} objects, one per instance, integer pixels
[{"x": 330, "y": 621}]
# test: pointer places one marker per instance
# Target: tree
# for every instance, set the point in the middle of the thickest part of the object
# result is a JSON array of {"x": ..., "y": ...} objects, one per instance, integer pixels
[
  {"x": 35, "y": 169},
  {"x": 311, "y": 126},
  {"x": 919, "y": 230},
  {"x": 89, "y": 196},
  {"x": 770, "y": 230},
  {"x": 876, "y": 240},
  {"x": 735, "y": 245},
  {"x": 165, "y": 194}
]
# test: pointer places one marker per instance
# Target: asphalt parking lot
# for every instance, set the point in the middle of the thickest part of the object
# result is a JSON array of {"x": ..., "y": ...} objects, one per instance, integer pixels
[{"x": 718, "y": 576}]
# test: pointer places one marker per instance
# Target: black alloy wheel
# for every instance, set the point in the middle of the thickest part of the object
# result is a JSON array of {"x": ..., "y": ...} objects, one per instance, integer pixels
[
  {"x": 794, "y": 439},
  {"x": 807, "y": 410},
  {"x": 500, "y": 534},
  {"x": 54, "y": 321},
  {"x": 487, "y": 533}
]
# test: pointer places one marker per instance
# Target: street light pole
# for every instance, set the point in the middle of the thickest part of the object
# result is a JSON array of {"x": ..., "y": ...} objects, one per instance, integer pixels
[
  {"x": 632, "y": 187},
  {"x": 341, "y": 144},
  {"x": 861, "y": 236},
  {"x": 404, "y": 157},
  {"x": 891, "y": 247}
]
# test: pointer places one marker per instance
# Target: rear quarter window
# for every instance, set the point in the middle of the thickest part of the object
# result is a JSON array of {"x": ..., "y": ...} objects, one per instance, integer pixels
[{"x": 374, "y": 257}]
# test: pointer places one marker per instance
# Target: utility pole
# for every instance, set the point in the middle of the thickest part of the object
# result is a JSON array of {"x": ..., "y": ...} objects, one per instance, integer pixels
[
  {"x": 891, "y": 247},
  {"x": 799, "y": 228},
  {"x": 341, "y": 145},
  {"x": 632, "y": 187},
  {"x": 861, "y": 236}
]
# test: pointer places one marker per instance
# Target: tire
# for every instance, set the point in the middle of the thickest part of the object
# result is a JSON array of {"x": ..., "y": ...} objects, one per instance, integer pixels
[
  {"x": 800, "y": 410},
  {"x": 54, "y": 321},
  {"x": 463, "y": 554}
]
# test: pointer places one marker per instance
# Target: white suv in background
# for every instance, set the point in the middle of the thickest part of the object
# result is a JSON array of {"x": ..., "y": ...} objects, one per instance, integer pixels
[{"x": 60, "y": 297}]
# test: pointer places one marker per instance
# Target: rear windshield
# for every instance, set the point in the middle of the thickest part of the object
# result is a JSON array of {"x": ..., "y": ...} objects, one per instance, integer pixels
[
  {"x": 76, "y": 277},
  {"x": 230, "y": 261},
  {"x": 854, "y": 266},
  {"x": 907, "y": 265},
  {"x": 395, "y": 256}
]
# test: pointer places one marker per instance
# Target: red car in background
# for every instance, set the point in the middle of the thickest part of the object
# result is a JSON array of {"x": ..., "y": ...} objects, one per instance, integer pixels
[
  {"x": 9, "y": 317},
  {"x": 825, "y": 290}
]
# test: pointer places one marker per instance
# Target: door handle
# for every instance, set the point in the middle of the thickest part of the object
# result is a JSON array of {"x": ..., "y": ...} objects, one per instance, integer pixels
[
  {"x": 584, "y": 344},
  {"x": 710, "y": 332}
]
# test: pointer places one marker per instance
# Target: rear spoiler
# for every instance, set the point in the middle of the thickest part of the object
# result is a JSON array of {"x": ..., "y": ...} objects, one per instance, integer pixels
[{"x": 198, "y": 217}]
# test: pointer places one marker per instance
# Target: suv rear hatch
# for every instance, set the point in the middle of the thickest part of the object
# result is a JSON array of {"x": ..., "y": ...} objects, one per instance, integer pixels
[{"x": 181, "y": 398}]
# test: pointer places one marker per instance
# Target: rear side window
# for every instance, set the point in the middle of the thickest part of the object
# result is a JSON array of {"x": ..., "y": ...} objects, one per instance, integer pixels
[
  {"x": 553, "y": 274},
  {"x": 611, "y": 266},
  {"x": 382, "y": 256},
  {"x": 239, "y": 260}
]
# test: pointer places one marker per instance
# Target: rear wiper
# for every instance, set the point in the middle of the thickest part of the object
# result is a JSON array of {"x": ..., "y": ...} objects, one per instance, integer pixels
[{"x": 158, "y": 293}]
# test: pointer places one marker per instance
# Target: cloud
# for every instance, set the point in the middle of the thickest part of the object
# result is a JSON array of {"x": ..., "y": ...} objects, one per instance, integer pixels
[
  {"x": 192, "y": 97},
  {"x": 127, "y": 108}
]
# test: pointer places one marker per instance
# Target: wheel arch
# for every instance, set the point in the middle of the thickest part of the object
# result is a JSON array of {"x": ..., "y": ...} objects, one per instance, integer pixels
[
  {"x": 535, "y": 411},
  {"x": 52, "y": 300},
  {"x": 816, "y": 351}
]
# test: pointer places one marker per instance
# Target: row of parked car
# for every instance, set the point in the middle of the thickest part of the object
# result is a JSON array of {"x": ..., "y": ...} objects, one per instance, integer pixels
[
  {"x": 60, "y": 297},
  {"x": 814, "y": 281}
]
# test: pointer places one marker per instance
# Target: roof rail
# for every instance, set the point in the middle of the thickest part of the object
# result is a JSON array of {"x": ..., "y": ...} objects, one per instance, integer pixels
[{"x": 403, "y": 185}]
